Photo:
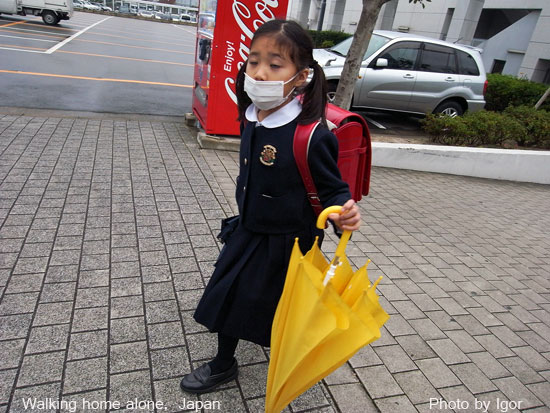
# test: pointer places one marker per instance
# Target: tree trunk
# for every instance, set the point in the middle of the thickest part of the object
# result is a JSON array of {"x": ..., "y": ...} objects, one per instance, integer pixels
[
  {"x": 361, "y": 38},
  {"x": 543, "y": 98}
]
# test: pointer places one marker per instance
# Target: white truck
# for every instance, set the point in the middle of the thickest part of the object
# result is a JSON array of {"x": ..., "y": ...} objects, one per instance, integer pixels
[{"x": 51, "y": 11}]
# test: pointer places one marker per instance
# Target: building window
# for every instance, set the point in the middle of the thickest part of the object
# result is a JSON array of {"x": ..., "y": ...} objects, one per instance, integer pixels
[
  {"x": 542, "y": 71},
  {"x": 498, "y": 66}
]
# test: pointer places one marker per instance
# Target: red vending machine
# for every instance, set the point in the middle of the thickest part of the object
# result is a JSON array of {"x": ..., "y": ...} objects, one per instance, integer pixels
[{"x": 225, "y": 29}]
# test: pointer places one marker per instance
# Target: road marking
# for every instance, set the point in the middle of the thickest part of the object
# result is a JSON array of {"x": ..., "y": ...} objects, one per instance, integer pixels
[
  {"x": 378, "y": 125},
  {"x": 22, "y": 50},
  {"x": 187, "y": 31},
  {"x": 138, "y": 39},
  {"x": 135, "y": 47},
  {"x": 92, "y": 41},
  {"x": 67, "y": 40},
  {"x": 38, "y": 32},
  {"x": 38, "y": 50},
  {"x": 126, "y": 31},
  {"x": 7, "y": 46},
  {"x": 101, "y": 79},
  {"x": 37, "y": 24},
  {"x": 127, "y": 58},
  {"x": 28, "y": 38},
  {"x": 73, "y": 25},
  {"x": 13, "y": 24}
]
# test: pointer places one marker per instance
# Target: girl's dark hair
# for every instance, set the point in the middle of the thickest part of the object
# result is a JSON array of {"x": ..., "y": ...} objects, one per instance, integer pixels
[{"x": 291, "y": 37}]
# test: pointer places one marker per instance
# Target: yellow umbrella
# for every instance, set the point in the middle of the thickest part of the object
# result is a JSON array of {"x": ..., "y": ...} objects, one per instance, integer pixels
[{"x": 326, "y": 313}]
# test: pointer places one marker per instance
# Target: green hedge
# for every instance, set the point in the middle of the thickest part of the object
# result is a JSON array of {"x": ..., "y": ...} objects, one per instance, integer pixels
[
  {"x": 510, "y": 119},
  {"x": 327, "y": 38},
  {"x": 535, "y": 122},
  {"x": 522, "y": 126},
  {"x": 506, "y": 90}
]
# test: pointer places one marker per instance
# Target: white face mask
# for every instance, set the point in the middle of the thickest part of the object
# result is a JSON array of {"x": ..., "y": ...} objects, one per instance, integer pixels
[{"x": 266, "y": 94}]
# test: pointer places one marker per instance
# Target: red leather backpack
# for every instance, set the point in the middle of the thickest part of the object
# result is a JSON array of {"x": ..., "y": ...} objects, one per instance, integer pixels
[{"x": 354, "y": 152}]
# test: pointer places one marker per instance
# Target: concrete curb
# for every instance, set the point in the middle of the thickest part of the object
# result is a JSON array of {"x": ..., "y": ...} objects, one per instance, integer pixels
[
  {"x": 503, "y": 164},
  {"x": 221, "y": 143},
  {"x": 59, "y": 113}
]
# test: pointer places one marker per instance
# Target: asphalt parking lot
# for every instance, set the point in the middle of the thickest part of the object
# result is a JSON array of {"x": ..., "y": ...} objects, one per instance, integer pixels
[
  {"x": 393, "y": 124},
  {"x": 97, "y": 63},
  {"x": 112, "y": 64}
]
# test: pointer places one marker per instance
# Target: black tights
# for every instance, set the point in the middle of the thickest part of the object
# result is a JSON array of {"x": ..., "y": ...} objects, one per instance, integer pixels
[{"x": 226, "y": 352}]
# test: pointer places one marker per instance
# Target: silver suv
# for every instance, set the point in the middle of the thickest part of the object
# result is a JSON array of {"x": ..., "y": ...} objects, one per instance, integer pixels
[{"x": 409, "y": 73}]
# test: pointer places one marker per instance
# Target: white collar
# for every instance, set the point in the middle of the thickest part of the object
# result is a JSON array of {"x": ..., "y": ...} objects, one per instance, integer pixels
[{"x": 281, "y": 117}]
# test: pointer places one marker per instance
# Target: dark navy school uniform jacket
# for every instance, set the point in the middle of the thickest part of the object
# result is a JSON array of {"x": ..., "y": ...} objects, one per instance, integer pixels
[{"x": 271, "y": 195}]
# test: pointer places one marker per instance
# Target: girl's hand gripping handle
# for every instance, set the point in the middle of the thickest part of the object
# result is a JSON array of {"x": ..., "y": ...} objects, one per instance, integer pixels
[{"x": 321, "y": 224}]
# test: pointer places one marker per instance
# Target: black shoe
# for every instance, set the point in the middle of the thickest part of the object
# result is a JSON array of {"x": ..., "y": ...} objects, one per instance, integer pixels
[{"x": 202, "y": 380}]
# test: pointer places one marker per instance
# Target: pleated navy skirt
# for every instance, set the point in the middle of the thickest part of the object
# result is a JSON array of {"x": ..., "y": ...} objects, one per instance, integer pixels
[{"x": 241, "y": 297}]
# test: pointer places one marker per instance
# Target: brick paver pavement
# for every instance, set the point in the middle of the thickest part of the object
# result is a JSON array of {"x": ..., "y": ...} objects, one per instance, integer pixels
[{"x": 107, "y": 238}]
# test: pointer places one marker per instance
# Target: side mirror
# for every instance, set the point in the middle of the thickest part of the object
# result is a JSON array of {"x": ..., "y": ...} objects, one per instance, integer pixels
[{"x": 381, "y": 63}]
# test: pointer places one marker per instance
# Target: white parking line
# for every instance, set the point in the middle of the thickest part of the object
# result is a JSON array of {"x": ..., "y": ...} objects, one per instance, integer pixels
[
  {"x": 32, "y": 31},
  {"x": 22, "y": 50},
  {"x": 181, "y": 28},
  {"x": 67, "y": 40},
  {"x": 28, "y": 38},
  {"x": 378, "y": 125}
]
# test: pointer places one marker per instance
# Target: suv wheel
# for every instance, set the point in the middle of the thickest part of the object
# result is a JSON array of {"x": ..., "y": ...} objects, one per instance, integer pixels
[{"x": 450, "y": 108}]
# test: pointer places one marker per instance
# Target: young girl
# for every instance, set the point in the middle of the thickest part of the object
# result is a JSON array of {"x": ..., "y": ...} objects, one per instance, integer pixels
[{"x": 240, "y": 300}]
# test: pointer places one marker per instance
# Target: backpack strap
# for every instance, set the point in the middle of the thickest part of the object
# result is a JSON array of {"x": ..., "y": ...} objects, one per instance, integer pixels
[{"x": 302, "y": 138}]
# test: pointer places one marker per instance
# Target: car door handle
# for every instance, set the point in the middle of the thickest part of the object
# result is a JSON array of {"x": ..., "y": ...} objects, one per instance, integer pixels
[
  {"x": 450, "y": 79},
  {"x": 408, "y": 76}
]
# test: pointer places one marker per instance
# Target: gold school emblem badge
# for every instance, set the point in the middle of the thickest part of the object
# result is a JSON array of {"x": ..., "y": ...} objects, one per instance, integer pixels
[{"x": 267, "y": 157}]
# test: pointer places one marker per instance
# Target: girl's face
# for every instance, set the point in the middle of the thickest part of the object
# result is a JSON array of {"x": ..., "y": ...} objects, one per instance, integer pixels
[{"x": 267, "y": 61}]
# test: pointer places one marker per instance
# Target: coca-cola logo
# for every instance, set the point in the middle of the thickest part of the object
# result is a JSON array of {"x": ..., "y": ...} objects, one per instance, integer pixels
[{"x": 247, "y": 23}]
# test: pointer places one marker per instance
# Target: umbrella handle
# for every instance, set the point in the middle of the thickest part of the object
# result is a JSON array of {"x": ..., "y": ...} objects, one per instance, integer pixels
[{"x": 321, "y": 224}]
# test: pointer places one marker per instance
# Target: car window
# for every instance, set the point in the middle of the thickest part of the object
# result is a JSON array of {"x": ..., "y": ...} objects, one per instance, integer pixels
[
  {"x": 375, "y": 43},
  {"x": 401, "y": 55},
  {"x": 436, "y": 58},
  {"x": 466, "y": 64}
]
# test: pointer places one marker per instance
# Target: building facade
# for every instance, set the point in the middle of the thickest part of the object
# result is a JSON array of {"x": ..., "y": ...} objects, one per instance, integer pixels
[{"x": 513, "y": 34}]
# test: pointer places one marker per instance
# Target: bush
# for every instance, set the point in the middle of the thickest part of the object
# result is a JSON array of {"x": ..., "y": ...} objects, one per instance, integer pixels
[
  {"x": 445, "y": 130},
  {"x": 326, "y": 44},
  {"x": 327, "y": 38},
  {"x": 509, "y": 120},
  {"x": 536, "y": 124},
  {"x": 482, "y": 128},
  {"x": 505, "y": 90}
]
